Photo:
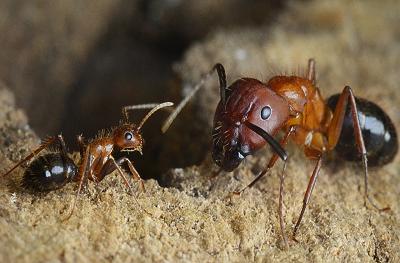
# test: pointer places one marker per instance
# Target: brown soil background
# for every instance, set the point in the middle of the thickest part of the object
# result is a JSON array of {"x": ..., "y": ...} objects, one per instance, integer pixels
[{"x": 192, "y": 219}]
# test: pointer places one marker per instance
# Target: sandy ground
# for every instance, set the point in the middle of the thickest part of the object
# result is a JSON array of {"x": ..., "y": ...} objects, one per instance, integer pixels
[{"x": 194, "y": 219}]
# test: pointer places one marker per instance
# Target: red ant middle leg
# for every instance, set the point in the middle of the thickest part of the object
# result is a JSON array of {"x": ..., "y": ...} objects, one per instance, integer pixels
[{"x": 334, "y": 131}]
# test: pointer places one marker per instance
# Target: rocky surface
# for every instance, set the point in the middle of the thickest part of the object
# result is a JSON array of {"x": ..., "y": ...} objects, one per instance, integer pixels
[{"x": 194, "y": 218}]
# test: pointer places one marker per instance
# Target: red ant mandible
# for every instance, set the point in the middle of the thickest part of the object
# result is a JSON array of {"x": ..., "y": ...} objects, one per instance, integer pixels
[
  {"x": 251, "y": 112},
  {"x": 53, "y": 170}
]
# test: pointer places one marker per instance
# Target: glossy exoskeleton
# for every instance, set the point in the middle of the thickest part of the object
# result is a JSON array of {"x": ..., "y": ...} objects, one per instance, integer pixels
[
  {"x": 377, "y": 130},
  {"x": 250, "y": 113},
  {"x": 49, "y": 172},
  {"x": 55, "y": 169}
]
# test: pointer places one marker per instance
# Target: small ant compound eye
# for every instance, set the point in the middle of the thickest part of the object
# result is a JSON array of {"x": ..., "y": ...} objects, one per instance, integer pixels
[
  {"x": 128, "y": 136},
  {"x": 266, "y": 112}
]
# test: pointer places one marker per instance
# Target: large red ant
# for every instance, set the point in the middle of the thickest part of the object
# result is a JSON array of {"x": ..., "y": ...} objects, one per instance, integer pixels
[
  {"x": 55, "y": 169},
  {"x": 251, "y": 112}
]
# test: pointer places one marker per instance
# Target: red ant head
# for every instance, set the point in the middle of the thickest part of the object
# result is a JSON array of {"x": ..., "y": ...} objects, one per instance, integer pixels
[
  {"x": 128, "y": 138},
  {"x": 245, "y": 121}
]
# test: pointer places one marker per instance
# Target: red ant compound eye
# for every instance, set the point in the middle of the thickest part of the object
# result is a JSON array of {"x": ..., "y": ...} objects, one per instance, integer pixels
[{"x": 266, "y": 112}]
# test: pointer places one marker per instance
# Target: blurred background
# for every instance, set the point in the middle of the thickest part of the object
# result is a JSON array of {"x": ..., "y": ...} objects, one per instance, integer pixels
[{"x": 73, "y": 64}]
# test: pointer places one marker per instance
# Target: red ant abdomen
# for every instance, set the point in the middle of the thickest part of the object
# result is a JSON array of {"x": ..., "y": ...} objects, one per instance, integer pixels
[
  {"x": 49, "y": 172},
  {"x": 378, "y": 131}
]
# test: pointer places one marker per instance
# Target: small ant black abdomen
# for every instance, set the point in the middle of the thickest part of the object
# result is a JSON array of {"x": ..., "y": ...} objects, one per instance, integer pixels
[
  {"x": 49, "y": 172},
  {"x": 377, "y": 130}
]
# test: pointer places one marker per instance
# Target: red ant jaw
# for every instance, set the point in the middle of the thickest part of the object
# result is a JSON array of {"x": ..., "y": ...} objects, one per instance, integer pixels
[
  {"x": 227, "y": 151},
  {"x": 229, "y": 161}
]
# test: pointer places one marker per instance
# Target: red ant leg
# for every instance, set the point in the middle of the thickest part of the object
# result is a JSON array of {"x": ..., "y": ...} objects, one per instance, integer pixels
[
  {"x": 280, "y": 207},
  {"x": 308, "y": 193},
  {"x": 272, "y": 161},
  {"x": 335, "y": 129}
]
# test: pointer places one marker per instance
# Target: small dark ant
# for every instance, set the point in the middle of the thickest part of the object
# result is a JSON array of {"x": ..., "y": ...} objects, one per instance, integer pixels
[
  {"x": 251, "y": 112},
  {"x": 55, "y": 169}
]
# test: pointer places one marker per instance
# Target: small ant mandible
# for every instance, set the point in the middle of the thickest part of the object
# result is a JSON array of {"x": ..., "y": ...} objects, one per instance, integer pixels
[
  {"x": 251, "y": 112},
  {"x": 55, "y": 169}
]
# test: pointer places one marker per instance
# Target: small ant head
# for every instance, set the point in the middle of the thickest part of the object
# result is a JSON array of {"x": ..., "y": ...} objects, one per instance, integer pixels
[
  {"x": 244, "y": 123},
  {"x": 128, "y": 138}
]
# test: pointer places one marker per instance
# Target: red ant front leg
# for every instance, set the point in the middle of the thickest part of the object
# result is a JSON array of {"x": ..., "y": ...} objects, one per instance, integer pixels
[
  {"x": 271, "y": 162},
  {"x": 307, "y": 195},
  {"x": 280, "y": 206},
  {"x": 335, "y": 129}
]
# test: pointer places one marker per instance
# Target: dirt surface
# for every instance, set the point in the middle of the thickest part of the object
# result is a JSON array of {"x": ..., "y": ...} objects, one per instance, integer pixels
[{"x": 194, "y": 219}]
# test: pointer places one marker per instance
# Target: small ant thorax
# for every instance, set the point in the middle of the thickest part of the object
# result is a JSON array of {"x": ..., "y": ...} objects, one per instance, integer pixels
[
  {"x": 53, "y": 170},
  {"x": 250, "y": 113}
]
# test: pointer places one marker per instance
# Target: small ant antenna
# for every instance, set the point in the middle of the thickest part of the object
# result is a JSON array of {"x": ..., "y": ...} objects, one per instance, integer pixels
[
  {"x": 136, "y": 107},
  {"x": 153, "y": 110}
]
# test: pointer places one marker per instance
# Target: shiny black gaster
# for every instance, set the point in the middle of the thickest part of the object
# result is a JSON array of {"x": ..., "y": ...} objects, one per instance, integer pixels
[
  {"x": 49, "y": 172},
  {"x": 378, "y": 131}
]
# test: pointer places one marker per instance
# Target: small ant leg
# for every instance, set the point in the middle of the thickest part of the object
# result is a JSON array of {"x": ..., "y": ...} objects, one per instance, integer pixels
[
  {"x": 110, "y": 167},
  {"x": 311, "y": 70},
  {"x": 63, "y": 151},
  {"x": 61, "y": 141},
  {"x": 121, "y": 173},
  {"x": 133, "y": 171},
  {"x": 335, "y": 129},
  {"x": 222, "y": 88},
  {"x": 280, "y": 208},
  {"x": 307, "y": 195},
  {"x": 81, "y": 143},
  {"x": 271, "y": 162},
  {"x": 83, "y": 176},
  {"x": 45, "y": 143}
]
